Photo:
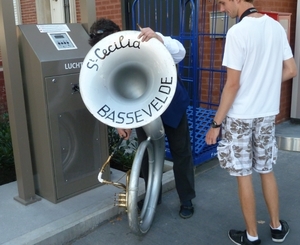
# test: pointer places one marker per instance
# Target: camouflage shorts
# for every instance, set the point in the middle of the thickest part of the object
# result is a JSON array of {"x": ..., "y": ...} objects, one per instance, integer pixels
[{"x": 248, "y": 144}]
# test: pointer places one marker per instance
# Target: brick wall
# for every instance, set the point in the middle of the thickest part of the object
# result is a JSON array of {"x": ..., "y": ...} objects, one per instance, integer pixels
[
  {"x": 78, "y": 12},
  {"x": 28, "y": 10},
  {"x": 288, "y": 6},
  {"x": 112, "y": 9}
]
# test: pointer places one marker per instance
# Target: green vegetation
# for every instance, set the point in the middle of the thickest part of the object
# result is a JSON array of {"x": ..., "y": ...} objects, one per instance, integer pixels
[
  {"x": 7, "y": 167},
  {"x": 124, "y": 155}
]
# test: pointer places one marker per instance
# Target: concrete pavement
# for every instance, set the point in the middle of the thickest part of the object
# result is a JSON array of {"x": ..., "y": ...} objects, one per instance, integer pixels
[
  {"x": 217, "y": 210},
  {"x": 91, "y": 218}
]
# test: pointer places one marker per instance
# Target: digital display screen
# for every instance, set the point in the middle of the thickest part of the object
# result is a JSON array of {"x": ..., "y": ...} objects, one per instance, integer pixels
[{"x": 62, "y": 41}]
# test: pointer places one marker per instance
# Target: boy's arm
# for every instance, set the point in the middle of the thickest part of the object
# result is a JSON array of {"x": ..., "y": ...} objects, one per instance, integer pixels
[{"x": 289, "y": 69}]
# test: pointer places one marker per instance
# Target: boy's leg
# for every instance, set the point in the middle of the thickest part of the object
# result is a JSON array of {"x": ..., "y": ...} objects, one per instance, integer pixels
[
  {"x": 265, "y": 155},
  {"x": 279, "y": 228},
  {"x": 270, "y": 191},
  {"x": 235, "y": 155},
  {"x": 247, "y": 201}
]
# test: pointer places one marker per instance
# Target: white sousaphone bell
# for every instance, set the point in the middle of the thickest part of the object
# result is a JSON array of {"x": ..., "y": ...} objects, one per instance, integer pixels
[{"x": 127, "y": 83}]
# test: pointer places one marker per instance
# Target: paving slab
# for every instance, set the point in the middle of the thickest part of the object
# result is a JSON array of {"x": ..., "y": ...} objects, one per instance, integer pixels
[
  {"x": 91, "y": 217},
  {"x": 217, "y": 210}
]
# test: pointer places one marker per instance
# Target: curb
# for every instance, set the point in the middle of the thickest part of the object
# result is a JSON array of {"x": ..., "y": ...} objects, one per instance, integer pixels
[
  {"x": 288, "y": 143},
  {"x": 75, "y": 225}
]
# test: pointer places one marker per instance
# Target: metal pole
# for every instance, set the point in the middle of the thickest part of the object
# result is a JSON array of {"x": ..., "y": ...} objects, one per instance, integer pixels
[
  {"x": 295, "y": 107},
  {"x": 87, "y": 13},
  {"x": 16, "y": 105}
]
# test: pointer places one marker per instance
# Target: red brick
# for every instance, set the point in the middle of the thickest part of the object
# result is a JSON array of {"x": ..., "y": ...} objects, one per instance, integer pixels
[{"x": 112, "y": 9}]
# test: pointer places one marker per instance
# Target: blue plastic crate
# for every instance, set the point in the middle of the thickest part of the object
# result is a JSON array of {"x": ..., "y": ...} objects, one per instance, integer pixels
[{"x": 202, "y": 120}]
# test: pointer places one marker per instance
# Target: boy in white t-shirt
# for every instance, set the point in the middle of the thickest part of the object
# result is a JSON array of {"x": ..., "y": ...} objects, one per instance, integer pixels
[{"x": 258, "y": 58}]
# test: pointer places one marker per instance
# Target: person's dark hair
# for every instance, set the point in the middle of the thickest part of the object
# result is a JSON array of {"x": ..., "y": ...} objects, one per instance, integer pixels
[{"x": 101, "y": 29}]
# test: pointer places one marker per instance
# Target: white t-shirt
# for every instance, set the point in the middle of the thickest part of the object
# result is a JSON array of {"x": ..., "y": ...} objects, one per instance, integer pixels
[{"x": 257, "y": 47}]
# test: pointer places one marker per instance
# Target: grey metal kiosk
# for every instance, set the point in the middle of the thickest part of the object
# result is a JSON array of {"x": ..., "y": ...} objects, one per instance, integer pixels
[{"x": 68, "y": 145}]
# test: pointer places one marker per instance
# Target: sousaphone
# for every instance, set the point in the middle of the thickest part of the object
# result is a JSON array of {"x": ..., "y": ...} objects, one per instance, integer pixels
[{"x": 127, "y": 83}]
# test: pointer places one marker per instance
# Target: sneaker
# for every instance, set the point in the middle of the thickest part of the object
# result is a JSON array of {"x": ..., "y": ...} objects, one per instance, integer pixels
[
  {"x": 186, "y": 210},
  {"x": 240, "y": 238},
  {"x": 280, "y": 235}
]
